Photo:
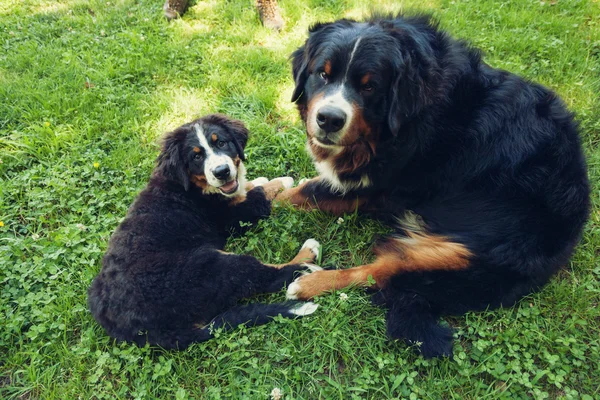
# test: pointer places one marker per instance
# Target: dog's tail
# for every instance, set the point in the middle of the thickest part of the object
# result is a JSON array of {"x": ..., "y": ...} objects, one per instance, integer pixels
[{"x": 249, "y": 315}]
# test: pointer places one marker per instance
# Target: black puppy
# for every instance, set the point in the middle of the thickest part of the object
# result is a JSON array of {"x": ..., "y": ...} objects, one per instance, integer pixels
[
  {"x": 479, "y": 171},
  {"x": 165, "y": 279}
]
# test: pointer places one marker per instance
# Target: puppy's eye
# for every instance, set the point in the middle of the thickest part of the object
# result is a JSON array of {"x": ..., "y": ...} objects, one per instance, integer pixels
[
  {"x": 197, "y": 156},
  {"x": 323, "y": 75},
  {"x": 367, "y": 87},
  {"x": 221, "y": 144}
]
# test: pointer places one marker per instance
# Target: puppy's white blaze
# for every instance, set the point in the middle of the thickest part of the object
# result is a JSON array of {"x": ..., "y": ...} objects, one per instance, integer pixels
[
  {"x": 214, "y": 160},
  {"x": 286, "y": 181},
  {"x": 304, "y": 309},
  {"x": 313, "y": 245}
]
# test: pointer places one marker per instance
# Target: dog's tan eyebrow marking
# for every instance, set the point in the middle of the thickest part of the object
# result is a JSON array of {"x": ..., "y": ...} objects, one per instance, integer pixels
[
  {"x": 196, "y": 149},
  {"x": 327, "y": 67},
  {"x": 365, "y": 79},
  {"x": 214, "y": 137}
]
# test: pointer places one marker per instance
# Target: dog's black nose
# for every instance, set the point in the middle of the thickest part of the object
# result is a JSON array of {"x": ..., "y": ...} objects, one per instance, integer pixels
[
  {"x": 331, "y": 119},
  {"x": 222, "y": 172}
]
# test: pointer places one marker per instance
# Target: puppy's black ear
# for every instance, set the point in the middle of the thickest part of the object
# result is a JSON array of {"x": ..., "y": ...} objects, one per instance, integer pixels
[
  {"x": 238, "y": 131},
  {"x": 240, "y": 136},
  {"x": 171, "y": 162}
]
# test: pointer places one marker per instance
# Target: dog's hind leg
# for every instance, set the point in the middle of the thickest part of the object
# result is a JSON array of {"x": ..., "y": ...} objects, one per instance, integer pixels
[{"x": 412, "y": 318}]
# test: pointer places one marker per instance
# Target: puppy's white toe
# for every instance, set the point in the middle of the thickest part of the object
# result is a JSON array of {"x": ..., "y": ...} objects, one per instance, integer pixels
[
  {"x": 286, "y": 181},
  {"x": 313, "y": 245},
  {"x": 305, "y": 309},
  {"x": 292, "y": 290},
  {"x": 259, "y": 181}
]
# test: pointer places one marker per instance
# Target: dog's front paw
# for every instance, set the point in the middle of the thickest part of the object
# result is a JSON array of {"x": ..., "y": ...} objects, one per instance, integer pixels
[
  {"x": 259, "y": 181},
  {"x": 286, "y": 181},
  {"x": 311, "y": 285},
  {"x": 277, "y": 185}
]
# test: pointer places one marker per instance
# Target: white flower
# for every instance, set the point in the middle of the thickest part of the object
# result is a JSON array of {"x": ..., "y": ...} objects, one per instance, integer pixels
[
  {"x": 81, "y": 227},
  {"x": 35, "y": 236},
  {"x": 276, "y": 394},
  {"x": 340, "y": 220},
  {"x": 343, "y": 296}
]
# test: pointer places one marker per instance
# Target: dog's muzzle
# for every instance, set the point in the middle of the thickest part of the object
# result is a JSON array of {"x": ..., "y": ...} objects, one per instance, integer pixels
[{"x": 330, "y": 120}]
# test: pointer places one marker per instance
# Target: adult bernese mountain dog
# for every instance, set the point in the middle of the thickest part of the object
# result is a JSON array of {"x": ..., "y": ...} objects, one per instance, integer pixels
[
  {"x": 165, "y": 279},
  {"x": 480, "y": 172}
]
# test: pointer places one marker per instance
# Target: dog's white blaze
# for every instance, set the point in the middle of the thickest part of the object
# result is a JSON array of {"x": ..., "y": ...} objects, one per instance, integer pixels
[
  {"x": 351, "y": 58},
  {"x": 214, "y": 160}
]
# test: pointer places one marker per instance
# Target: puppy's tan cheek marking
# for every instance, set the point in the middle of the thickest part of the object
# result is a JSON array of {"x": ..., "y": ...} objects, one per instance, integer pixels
[
  {"x": 214, "y": 137},
  {"x": 200, "y": 181},
  {"x": 237, "y": 161}
]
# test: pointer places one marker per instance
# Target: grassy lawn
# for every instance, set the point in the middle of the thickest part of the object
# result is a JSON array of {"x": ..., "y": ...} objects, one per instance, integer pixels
[{"x": 87, "y": 87}]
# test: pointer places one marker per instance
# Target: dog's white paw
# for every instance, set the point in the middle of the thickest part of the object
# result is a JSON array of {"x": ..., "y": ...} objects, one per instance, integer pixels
[
  {"x": 293, "y": 290},
  {"x": 303, "y": 180},
  {"x": 314, "y": 246},
  {"x": 286, "y": 181},
  {"x": 304, "y": 309},
  {"x": 259, "y": 181}
]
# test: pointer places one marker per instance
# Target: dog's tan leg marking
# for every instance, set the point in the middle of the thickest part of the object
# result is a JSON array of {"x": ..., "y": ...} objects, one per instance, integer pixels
[{"x": 416, "y": 252}]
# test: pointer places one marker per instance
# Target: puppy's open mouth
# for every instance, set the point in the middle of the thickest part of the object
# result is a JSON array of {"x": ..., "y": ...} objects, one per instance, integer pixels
[{"x": 229, "y": 187}]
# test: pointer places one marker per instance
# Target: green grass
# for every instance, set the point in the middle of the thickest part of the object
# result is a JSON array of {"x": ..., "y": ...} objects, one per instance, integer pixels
[{"x": 86, "y": 88}]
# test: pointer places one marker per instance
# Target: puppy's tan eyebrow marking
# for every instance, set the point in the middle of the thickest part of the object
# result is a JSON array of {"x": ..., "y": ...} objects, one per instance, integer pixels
[
  {"x": 214, "y": 137},
  {"x": 365, "y": 79},
  {"x": 196, "y": 149}
]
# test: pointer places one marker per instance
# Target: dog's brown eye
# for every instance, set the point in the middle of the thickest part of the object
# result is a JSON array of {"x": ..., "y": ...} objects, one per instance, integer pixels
[
  {"x": 323, "y": 75},
  {"x": 367, "y": 88},
  {"x": 197, "y": 156},
  {"x": 221, "y": 144}
]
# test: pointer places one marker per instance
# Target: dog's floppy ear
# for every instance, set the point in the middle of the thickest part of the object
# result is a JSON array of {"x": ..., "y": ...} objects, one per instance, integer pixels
[
  {"x": 300, "y": 72},
  {"x": 417, "y": 72},
  {"x": 300, "y": 59},
  {"x": 171, "y": 162},
  {"x": 238, "y": 131}
]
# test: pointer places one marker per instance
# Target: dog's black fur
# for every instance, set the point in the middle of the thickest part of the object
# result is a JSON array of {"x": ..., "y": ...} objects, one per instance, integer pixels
[
  {"x": 487, "y": 160},
  {"x": 164, "y": 278}
]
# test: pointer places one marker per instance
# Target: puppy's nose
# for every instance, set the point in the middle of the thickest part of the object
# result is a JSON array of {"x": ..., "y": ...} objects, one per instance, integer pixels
[
  {"x": 222, "y": 172},
  {"x": 331, "y": 119}
]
